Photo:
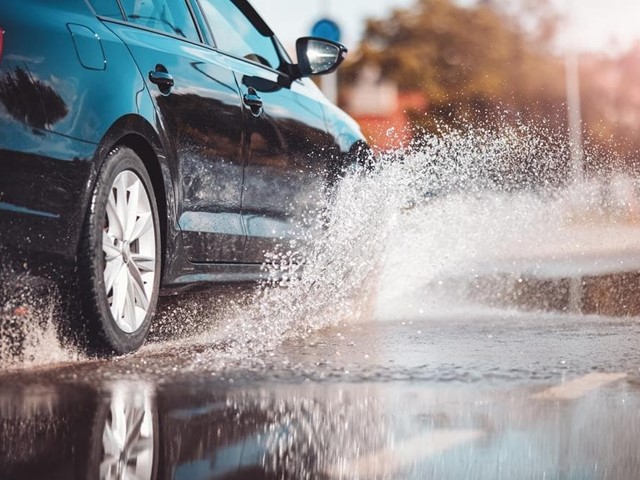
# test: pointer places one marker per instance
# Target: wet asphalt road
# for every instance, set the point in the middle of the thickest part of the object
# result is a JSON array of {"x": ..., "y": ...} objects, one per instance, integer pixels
[
  {"x": 492, "y": 353},
  {"x": 473, "y": 392}
]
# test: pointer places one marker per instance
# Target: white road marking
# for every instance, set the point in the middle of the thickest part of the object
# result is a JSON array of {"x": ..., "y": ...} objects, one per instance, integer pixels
[
  {"x": 396, "y": 457},
  {"x": 574, "y": 389},
  {"x": 404, "y": 454}
]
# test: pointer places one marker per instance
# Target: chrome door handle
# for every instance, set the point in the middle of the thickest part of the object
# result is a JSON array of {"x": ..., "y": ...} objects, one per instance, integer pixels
[
  {"x": 164, "y": 81},
  {"x": 252, "y": 100}
]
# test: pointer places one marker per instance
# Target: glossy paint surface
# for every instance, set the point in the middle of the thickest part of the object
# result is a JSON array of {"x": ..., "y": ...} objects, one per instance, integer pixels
[
  {"x": 229, "y": 179},
  {"x": 290, "y": 152},
  {"x": 203, "y": 117}
]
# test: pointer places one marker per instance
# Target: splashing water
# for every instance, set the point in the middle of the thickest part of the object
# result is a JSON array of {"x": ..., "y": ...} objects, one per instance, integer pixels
[
  {"x": 460, "y": 204},
  {"x": 388, "y": 230},
  {"x": 28, "y": 334},
  {"x": 317, "y": 281}
]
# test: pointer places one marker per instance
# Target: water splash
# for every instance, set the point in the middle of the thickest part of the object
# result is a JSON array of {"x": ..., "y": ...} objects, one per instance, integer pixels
[
  {"x": 448, "y": 206},
  {"x": 28, "y": 333},
  {"x": 394, "y": 215}
]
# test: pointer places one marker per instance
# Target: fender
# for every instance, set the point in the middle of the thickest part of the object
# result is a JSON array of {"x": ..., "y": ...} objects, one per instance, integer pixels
[{"x": 137, "y": 133}]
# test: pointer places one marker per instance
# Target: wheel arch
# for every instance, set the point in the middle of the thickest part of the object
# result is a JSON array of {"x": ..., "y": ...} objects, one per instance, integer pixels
[
  {"x": 145, "y": 151},
  {"x": 136, "y": 133}
]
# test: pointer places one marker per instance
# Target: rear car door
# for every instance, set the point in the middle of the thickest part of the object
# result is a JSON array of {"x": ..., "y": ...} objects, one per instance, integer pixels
[
  {"x": 287, "y": 140},
  {"x": 200, "y": 109}
]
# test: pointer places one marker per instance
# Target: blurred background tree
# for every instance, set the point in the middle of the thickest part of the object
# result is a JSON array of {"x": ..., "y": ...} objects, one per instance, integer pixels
[
  {"x": 472, "y": 63},
  {"x": 491, "y": 62}
]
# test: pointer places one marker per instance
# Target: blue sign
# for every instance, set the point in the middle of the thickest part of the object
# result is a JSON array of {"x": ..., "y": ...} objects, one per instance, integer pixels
[{"x": 327, "y": 29}]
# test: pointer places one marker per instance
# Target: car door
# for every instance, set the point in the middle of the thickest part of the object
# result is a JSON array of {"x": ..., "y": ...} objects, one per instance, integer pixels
[
  {"x": 200, "y": 109},
  {"x": 287, "y": 168},
  {"x": 287, "y": 141}
]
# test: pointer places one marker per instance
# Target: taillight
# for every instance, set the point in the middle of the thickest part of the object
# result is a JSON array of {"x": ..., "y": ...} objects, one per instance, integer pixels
[{"x": 1, "y": 42}]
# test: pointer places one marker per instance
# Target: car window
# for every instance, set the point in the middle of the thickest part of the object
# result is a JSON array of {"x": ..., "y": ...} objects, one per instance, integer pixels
[
  {"x": 107, "y": 8},
  {"x": 171, "y": 16},
  {"x": 236, "y": 35}
]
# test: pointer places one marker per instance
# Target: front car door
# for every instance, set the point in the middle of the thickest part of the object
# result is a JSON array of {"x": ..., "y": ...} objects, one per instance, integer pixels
[{"x": 287, "y": 143}]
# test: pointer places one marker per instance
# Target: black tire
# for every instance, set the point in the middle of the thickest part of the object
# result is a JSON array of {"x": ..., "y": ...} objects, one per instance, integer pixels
[{"x": 102, "y": 335}]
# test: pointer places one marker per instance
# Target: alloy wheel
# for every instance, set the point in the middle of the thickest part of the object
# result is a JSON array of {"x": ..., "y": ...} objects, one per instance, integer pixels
[{"x": 129, "y": 248}]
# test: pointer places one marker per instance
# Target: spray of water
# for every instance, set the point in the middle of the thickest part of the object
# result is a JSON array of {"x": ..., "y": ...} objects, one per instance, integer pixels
[
  {"x": 389, "y": 229},
  {"x": 28, "y": 334},
  {"x": 446, "y": 205}
]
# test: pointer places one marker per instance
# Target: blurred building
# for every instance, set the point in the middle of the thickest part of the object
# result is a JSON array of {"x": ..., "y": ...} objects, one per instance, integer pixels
[{"x": 381, "y": 109}]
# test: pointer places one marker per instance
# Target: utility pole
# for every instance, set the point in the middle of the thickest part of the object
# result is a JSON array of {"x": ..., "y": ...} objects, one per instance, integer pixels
[
  {"x": 574, "y": 118},
  {"x": 574, "y": 114},
  {"x": 574, "y": 110}
]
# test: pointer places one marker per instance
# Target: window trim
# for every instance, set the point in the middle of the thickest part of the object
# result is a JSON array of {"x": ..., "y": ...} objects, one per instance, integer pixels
[
  {"x": 126, "y": 21},
  {"x": 208, "y": 43},
  {"x": 205, "y": 32},
  {"x": 89, "y": 3}
]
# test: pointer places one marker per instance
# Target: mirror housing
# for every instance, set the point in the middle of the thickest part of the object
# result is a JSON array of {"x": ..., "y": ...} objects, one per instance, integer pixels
[{"x": 317, "y": 56}]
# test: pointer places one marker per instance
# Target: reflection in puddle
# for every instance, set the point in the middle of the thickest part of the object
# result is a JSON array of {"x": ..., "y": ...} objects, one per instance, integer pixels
[
  {"x": 294, "y": 433},
  {"x": 196, "y": 431},
  {"x": 128, "y": 434},
  {"x": 125, "y": 430},
  {"x": 74, "y": 431}
]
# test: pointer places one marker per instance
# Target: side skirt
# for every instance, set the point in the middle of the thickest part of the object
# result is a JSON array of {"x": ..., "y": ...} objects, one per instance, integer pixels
[{"x": 203, "y": 274}]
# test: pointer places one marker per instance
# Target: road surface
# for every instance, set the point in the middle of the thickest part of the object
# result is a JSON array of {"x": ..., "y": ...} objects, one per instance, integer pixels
[{"x": 477, "y": 362}]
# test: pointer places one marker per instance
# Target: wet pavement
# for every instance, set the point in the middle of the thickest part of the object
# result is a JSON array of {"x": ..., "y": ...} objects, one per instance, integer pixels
[
  {"x": 494, "y": 343},
  {"x": 476, "y": 393}
]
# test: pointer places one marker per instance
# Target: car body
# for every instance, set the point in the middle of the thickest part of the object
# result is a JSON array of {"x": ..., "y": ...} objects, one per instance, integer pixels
[{"x": 231, "y": 140}]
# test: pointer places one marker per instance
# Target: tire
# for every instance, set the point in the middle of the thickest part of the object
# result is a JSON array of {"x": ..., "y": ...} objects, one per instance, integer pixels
[{"x": 119, "y": 262}]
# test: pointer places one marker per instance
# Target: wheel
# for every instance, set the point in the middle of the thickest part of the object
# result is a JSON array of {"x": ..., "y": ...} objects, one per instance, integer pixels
[
  {"x": 120, "y": 256},
  {"x": 125, "y": 436}
]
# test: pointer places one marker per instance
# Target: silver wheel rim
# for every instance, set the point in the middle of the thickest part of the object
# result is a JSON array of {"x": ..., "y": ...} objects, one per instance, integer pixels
[
  {"x": 129, "y": 247},
  {"x": 127, "y": 437}
]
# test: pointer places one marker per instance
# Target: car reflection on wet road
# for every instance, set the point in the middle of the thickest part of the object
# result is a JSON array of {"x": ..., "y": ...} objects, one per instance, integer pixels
[
  {"x": 477, "y": 362},
  {"x": 476, "y": 394}
]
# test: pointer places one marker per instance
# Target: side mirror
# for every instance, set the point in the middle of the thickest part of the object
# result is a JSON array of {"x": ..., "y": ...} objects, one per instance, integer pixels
[{"x": 317, "y": 56}]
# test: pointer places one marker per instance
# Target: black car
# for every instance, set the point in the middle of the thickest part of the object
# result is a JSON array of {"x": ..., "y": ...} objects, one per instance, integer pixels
[{"x": 152, "y": 145}]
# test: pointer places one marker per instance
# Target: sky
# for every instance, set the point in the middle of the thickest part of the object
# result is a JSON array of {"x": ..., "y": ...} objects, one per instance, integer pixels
[{"x": 596, "y": 25}]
